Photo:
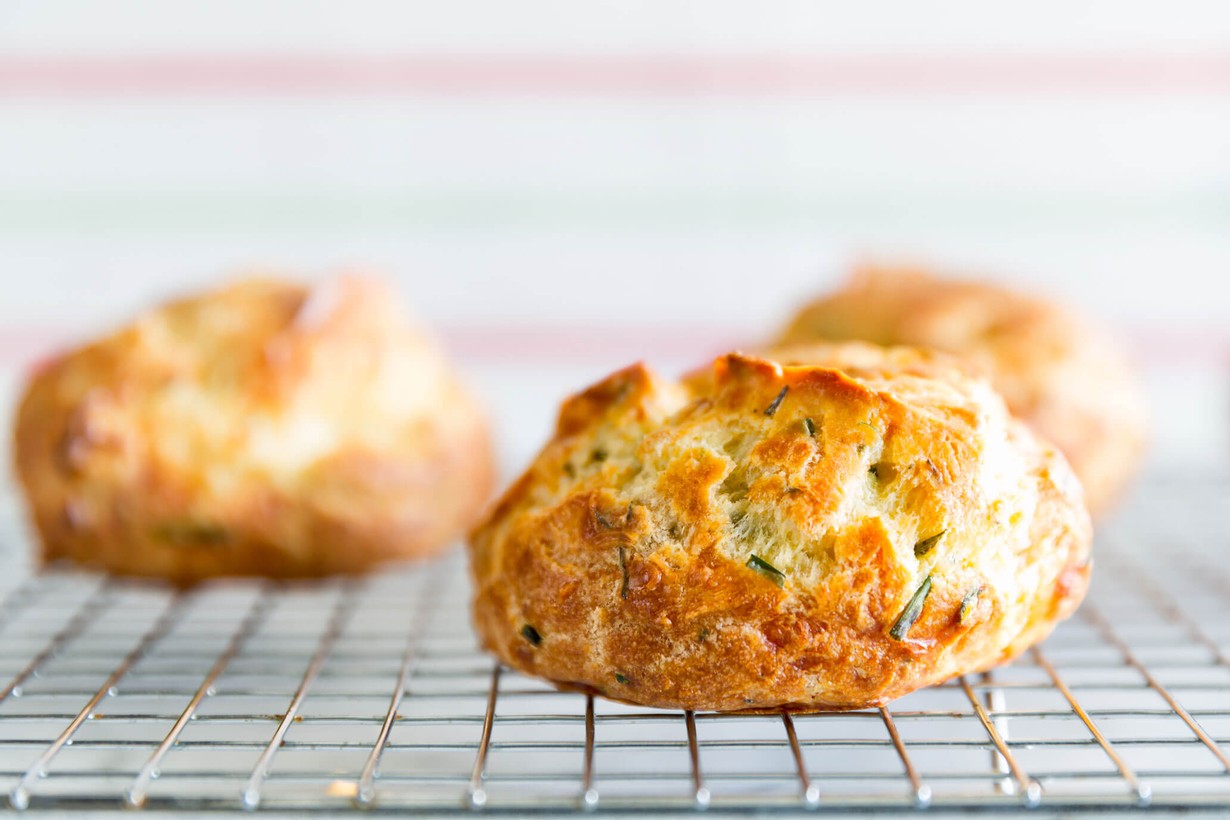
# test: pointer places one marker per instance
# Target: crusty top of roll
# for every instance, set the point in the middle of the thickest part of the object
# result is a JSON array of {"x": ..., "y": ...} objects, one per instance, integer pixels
[
  {"x": 1059, "y": 371},
  {"x": 752, "y": 537},
  {"x": 264, "y": 427}
]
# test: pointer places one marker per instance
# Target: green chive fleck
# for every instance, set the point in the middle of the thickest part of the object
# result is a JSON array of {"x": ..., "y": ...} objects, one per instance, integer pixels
[
  {"x": 968, "y": 603},
  {"x": 911, "y": 612},
  {"x": 623, "y": 570},
  {"x": 192, "y": 534},
  {"x": 927, "y": 544},
  {"x": 777, "y": 402},
  {"x": 621, "y": 679},
  {"x": 531, "y": 634},
  {"x": 810, "y": 427},
  {"x": 766, "y": 569}
]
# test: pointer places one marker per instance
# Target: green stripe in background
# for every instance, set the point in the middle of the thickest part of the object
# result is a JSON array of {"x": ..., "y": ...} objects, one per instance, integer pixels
[{"x": 751, "y": 210}]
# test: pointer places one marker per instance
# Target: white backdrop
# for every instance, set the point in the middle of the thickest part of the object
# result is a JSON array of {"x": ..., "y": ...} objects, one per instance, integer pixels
[{"x": 563, "y": 186}]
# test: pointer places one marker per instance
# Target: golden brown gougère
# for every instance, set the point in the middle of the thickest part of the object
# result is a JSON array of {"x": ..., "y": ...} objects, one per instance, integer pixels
[
  {"x": 764, "y": 535},
  {"x": 265, "y": 428}
]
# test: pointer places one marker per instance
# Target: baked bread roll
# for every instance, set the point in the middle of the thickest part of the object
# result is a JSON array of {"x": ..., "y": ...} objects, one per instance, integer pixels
[
  {"x": 781, "y": 536},
  {"x": 266, "y": 428},
  {"x": 1058, "y": 372}
]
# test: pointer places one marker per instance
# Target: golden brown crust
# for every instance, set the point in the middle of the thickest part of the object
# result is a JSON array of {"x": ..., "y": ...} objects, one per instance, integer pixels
[
  {"x": 262, "y": 429},
  {"x": 620, "y": 560},
  {"x": 1058, "y": 372}
]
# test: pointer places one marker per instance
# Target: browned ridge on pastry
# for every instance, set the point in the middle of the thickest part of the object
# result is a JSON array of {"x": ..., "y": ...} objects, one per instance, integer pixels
[
  {"x": 265, "y": 428},
  {"x": 1059, "y": 372},
  {"x": 762, "y": 536}
]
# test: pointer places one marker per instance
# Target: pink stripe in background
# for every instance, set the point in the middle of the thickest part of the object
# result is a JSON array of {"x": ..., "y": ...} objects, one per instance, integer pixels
[
  {"x": 662, "y": 75},
  {"x": 560, "y": 345}
]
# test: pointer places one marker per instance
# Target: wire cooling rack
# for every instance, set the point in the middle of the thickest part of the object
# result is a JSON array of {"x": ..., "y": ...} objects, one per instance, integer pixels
[{"x": 370, "y": 693}]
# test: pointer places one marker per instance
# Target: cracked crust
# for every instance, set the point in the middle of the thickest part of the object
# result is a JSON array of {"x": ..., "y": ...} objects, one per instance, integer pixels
[
  {"x": 1058, "y": 372},
  {"x": 619, "y": 562},
  {"x": 262, "y": 429}
]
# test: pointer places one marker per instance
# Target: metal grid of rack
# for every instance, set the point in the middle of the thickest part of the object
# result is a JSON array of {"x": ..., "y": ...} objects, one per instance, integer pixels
[{"x": 370, "y": 693}]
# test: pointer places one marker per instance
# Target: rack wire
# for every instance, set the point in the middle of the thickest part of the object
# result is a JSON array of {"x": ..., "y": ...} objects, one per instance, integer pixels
[{"x": 371, "y": 694}]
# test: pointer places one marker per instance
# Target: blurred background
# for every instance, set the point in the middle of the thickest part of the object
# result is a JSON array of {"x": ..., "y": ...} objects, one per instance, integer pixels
[{"x": 562, "y": 187}]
